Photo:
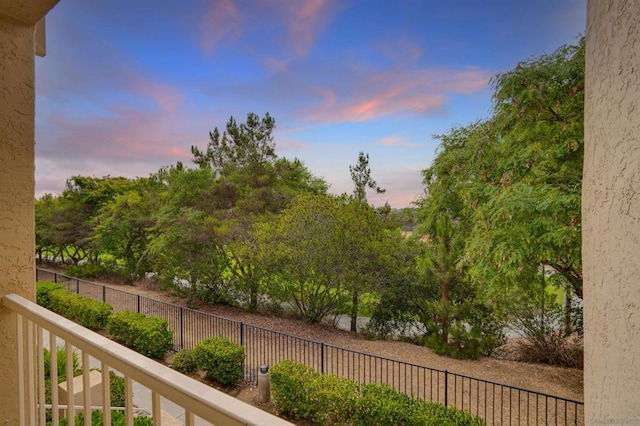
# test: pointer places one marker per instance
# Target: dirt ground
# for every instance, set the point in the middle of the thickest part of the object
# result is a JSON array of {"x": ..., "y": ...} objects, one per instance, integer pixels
[{"x": 558, "y": 381}]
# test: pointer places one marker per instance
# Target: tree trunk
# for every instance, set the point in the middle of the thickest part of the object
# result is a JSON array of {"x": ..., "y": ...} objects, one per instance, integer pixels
[
  {"x": 354, "y": 311},
  {"x": 445, "y": 313}
]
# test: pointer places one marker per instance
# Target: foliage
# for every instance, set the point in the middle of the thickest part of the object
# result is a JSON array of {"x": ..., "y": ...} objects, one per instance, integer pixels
[
  {"x": 299, "y": 392},
  {"x": 220, "y": 359},
  {"x": 61, "y": 363},
  {"x": 147, "y": 335},
  {"x": 387, "y": 406},
  {"x": 185, "y": 361},
  {"x": 86, "y": 270},
  {"x": 65, "y": 222},
  {"x": 320, "y": 249},
  {"x": 512, "y": 183},
  {"x": 118, "y": 418},
  {"x": 83, "y": 310},
  {"x": 116, "y": 386},
  {"x": 124, "y": 225},
  {"x": 361, "y": 177},
  {"x": 537, "y": 317},
  {"x": 43, "y": 288}
]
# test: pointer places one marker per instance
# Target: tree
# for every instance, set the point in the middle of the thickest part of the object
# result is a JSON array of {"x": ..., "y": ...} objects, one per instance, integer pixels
[
  {"x": 250, "y": 184},
  {"x": 318, "y": 248},
  {"x": 124, "y": 226},
  {"x": 66, "y": 221},
  {"x": 186, "y": 249},
  {"x": 361, "y": 176},
  {"x": 512, "y": 183}
]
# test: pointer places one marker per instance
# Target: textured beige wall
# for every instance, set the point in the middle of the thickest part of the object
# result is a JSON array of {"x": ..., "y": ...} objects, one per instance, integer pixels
[
  {"x": 611, "y": 213},
  {"x": 17, "y": 227}
]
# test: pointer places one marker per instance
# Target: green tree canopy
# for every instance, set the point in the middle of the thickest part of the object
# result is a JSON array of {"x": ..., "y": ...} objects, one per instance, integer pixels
[{"x": 512, "y": 183}]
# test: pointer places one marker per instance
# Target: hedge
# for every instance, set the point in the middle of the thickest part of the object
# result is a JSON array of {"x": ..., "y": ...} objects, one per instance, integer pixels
[
  {"x": 43, "y": 288},
  {"x": 85, "y": 311},
  {"x": 149, "y": 336},
  {"x": 220, "y": 359},
  {"x": 300, "y": 392}
]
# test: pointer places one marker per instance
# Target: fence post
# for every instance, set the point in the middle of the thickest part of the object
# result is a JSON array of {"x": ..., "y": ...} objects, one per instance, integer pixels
[
  {"x": 77, "y": 285},
  {"x": 322, "y": 357},
  {"x": 241, "y": 334},
  {"x": 446, "y": 388},
  {"x": 55, "y": 277},
  {"x": 181, "y": 329},
  {"x": 37, "y": 271},
  {"x": 104, "y": 293},
  {"x": 138, "y": 303}
]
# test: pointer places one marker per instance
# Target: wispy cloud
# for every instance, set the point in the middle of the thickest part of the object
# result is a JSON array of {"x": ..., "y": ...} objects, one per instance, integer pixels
[
  {"x": 305, "y": 20},
  {"x": 293, "y": 26},
  {"x": 392, "y": 92},
  {"x": 397, "y": 140},
  {"x": 221, "y": 20}
]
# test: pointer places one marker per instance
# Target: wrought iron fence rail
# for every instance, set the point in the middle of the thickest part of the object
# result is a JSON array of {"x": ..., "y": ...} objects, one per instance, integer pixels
[{"x": 496, "y": 403}]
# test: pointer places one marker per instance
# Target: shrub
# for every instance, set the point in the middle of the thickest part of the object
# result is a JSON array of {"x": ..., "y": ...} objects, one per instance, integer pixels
[
  {"x": 87, "y": 270},
  {"x": 289, "y": 381},
  {"x": 97, "y": 419},
  {"x": 43, "y": 288},
  {"x": 149, "y": 336},
  {"x": 300, "y": 392},
  {"x": 116, "y": 386},
  {"x": 185, "y": 362},
  {"x": 543, "y": 340},
  {"x": 83, "y": 310},
  {"x": 220, "y": 359},
  {"x": 387, "y": 406},
  {"x": 383, "y": 403},
  {"x": 61, "y": 362}
]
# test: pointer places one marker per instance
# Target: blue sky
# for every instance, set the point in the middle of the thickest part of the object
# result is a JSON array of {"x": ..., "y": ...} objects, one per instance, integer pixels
[{"x": 129, "y": 86}]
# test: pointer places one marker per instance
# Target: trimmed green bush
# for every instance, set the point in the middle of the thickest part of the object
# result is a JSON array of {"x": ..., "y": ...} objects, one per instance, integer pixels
[
  {"x": 83, "y": 310},
  {"x": 147, "y": 335},
  {"x": 185, "y": 362},
  {"x": 43, "y": 288},
  {"x": 300, "y": 392},
  {"x": 220, "y": 359},
  {"x": 289, "y": 381},
  {"x": 388, "y": 406}
]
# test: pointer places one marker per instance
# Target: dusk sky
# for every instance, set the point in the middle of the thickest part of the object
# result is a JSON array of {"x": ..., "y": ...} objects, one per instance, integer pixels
[{"x": 129, "y": 86}]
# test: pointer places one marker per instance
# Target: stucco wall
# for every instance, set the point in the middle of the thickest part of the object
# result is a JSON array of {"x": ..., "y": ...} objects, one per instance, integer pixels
[
  {"x": 16, "y": 194},
  {"x": 611, "y": 213}
]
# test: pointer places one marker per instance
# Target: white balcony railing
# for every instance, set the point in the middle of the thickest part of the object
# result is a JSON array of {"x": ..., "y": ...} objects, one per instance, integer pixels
[{"x": 39, "y": 328}]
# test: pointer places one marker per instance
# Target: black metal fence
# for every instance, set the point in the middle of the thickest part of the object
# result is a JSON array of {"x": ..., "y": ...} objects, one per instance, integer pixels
[{"x": 496, "y": 403}]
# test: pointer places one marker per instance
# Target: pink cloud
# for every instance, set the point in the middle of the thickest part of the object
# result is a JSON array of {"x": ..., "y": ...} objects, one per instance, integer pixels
[
  {"x": 276, "y": 64},
  {"x": 221, "y": 20},
  {"x": 391, "y": 92},
  {"x": 306, "y": 18},
  {"x": 166, "y": 97},
  {"x": 396, "y": 140},
  {"x": 298, "y": 21}
]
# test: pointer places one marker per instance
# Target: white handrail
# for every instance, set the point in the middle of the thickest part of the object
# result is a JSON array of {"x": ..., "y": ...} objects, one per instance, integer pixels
[{"x": 195, "y": 397}]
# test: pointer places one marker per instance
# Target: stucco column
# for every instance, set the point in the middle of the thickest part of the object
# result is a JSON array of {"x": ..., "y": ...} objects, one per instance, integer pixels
[
  {"x": 611, "y": 213},
  {"x": 17, "y": 228}
]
